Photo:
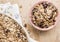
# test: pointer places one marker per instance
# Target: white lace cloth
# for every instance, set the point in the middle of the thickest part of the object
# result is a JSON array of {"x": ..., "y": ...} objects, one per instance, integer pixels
[{"x": 11, "y": 10}]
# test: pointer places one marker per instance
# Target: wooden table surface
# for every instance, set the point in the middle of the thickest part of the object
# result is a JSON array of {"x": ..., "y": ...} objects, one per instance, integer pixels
[{"x": 25, "y": 6}]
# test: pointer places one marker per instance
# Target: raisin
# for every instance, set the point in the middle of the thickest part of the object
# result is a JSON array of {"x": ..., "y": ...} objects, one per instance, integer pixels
[
  {"x": 41, "y": 25},
  {"x": 44, "y": 5},
  {"x": 42, "y": 22},
  {"x": 7, "y": 31},
  {"x": 54, "y": 10},
  {"x": 33, "y": 13},
  {"x": 38, "y": 14},
  {"x": 53, "y": 20},
  {"x": 18, "y": 35},
  {"x": 35, "y": 17},
  {"x": 25, "y": 25},
  {"x": 46, "y": 26}
]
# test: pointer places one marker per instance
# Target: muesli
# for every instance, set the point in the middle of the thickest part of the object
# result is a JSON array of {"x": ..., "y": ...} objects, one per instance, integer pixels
[
  {"x": 10, "y": 30},
  {"x": 44, "y": 14}
]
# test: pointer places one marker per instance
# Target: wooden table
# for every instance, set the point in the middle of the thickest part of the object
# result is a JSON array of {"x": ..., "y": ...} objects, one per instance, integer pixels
[{"x": 25, "y": 6}]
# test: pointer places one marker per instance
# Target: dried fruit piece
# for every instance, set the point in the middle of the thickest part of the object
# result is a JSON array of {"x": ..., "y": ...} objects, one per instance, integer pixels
[{"x": 44, "y": 5}]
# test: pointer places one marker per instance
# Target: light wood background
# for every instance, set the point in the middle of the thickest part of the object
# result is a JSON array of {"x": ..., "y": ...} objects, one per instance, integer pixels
[{"x": 25, "y": 6}]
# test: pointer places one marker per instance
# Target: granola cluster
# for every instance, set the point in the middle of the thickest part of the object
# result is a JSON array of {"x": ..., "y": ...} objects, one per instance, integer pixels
[
  {"x": 44, "y": 14},
  {"x": 10, "y": 30}
]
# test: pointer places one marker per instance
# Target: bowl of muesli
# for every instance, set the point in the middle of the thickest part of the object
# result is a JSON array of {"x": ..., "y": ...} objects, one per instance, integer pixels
[
  {"x": 43, "y": 15},
  {"x": 10, "y": 30}
]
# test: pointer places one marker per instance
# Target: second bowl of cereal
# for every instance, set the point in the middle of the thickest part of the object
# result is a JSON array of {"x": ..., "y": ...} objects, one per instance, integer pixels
[{"x": 43, "y": 16}]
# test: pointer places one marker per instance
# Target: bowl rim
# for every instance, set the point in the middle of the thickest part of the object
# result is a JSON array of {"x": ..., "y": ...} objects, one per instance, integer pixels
[{"x": 39, "y": 28}]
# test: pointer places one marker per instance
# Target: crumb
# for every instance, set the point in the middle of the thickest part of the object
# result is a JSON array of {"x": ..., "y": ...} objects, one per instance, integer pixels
[{"x": 20, "y": 6}]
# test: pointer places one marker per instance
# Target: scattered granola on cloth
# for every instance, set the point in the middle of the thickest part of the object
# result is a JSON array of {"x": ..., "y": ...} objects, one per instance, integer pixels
[{"x": 10, "y": 30}]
